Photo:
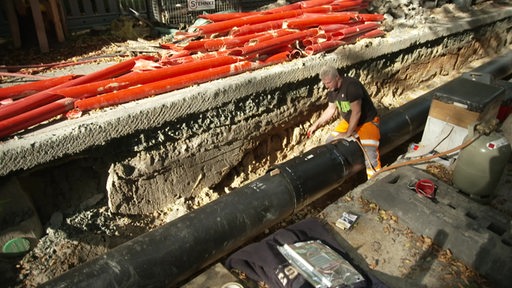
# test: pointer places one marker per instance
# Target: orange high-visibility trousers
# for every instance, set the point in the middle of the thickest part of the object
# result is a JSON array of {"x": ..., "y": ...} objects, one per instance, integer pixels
[{"x": 369, "y": 136}]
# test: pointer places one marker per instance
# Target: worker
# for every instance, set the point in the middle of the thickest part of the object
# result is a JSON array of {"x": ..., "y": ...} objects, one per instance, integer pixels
[{"x": 359, "y": 118}]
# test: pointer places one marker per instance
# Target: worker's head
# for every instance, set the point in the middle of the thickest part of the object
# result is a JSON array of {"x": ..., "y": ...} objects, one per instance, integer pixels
[{"x": 330, "y": 78}]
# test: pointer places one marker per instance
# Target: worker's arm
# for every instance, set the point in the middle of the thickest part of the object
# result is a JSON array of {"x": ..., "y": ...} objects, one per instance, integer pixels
[{"x": 325, "y": 118}]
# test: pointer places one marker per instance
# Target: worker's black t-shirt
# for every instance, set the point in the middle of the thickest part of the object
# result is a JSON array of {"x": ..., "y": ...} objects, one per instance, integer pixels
[{"x": 352, "y": 90}]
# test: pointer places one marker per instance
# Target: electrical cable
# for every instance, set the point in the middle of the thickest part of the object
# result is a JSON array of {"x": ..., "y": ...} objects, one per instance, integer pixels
[
  {"x": 365, "y": 153},
  {"x": 427, "y": 158}
]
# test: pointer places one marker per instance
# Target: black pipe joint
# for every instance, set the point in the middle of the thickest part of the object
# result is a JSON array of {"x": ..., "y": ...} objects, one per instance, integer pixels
[{"x": 321, "y": 169}]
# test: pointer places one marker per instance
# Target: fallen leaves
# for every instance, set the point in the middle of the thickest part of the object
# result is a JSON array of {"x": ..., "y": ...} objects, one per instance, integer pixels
[
  {"x": 373, "y": 265},
  {"x": 441, "y": 172},
  {"x": 425, "y": 242},
  {"x": 387, "y": 216},
  {"x": 368, "y": 206}
]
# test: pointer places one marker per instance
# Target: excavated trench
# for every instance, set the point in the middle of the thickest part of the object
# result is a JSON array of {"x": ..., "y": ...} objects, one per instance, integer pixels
[{"x": 95, "y": 199}]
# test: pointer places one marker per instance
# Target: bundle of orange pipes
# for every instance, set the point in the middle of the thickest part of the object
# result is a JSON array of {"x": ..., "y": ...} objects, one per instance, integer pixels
[{"x": 231, "y": 43}]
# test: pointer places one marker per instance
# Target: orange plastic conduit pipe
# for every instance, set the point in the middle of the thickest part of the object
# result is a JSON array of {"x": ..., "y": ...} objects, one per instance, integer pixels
[
  {"x": 315, "y": 40},
  {"x": 230, "y": 42},
  {"x": 277, "y": 54},
  {"x": 321, "y": 47},
  {"x": 289, "y": 7},
  {"x": 296, "y": 53},
  {"x": 270, "y": 35},
  {"x": 299, "y": 5},
  {"x": 227, "y": 25},
  {"x": 347, "y": 2},
  {"x": 272, "y": 44},
  {"x": 372, "y": 34},
  {"x": 133, "y": 79},
  {"x": 170, "y": 46},
  {"x": 322, "y": 19},
  {"x": 309, "y": 15},
  {"x": 278, "y": 58},
  {"x": 335, "y": 7},
  {"x": 356, "y": 30},
  {"x": 332, "y": 27},
  {"x": 276, "y": 24},
  {"x": 170, "y": 56},
  {"x": 193, "y": 46},
  {"x": 371, "y": 17},
  {"x": 319, "y": 9},
  {"x": 204, "y": 45},
  {"x": 256, "y": 28},
  {"x": 314, "y": 3},
  {"x": 22, "y": 90},
  {"x": 165, "y": 86},
  {"x": 47, "y": 96},
  {"x": 35, "y": 116},
  {"x": 195, "y": 57}
]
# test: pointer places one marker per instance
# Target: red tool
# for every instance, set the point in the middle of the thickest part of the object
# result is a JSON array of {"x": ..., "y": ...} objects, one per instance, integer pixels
[{"x": 426, "y": 187}]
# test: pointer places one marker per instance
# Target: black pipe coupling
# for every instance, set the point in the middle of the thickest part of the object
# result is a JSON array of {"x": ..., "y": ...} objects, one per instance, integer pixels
[{"x": 321, "y": 169}]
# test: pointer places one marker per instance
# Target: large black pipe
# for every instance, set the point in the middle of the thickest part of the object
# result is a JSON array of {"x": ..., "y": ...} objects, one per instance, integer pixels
[
  {"x": 403, "y": 123},
  {"x": 499, "y": 68},
  {"x": 175, "y": 251},
  {"x": 171, "y": 253}
]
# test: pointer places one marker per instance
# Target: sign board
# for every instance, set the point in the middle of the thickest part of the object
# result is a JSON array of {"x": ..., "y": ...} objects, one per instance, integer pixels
[{"x": 196, "y": 5}]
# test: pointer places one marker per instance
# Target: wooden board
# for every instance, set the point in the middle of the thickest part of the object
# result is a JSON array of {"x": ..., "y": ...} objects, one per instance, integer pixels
[
  {"x": 55, "y": 12},
  {"x": 40, "y": 27},
  {"x": 452, "y": 113}
]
